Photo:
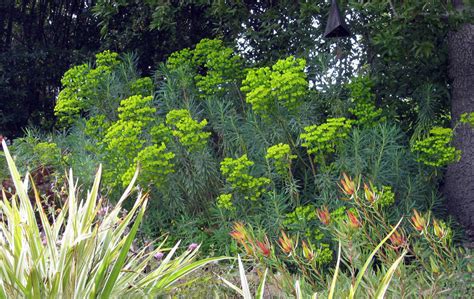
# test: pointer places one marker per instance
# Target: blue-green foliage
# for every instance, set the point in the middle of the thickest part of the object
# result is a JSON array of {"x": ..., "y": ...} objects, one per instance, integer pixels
[{"x": 204, "y": 149}]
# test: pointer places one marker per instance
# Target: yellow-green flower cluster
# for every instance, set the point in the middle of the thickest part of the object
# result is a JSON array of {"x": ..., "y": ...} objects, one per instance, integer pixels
[
  {"x": 96, "y": 127},
  {"x": 48, "y": 153},
  {"x": 281, "y": 156},
  {"x": 187, "y": 130},
  {"x": 436, "y": 150},
  {"x": 468, "y": 118},
  {"x": 155, "y": 164},
  {"x": 321, "y": 140},
  {"x": 161, "y": 133},
  {"x": 137, "y": 108},
  {"x": 222, "y": 66},
  {"x": 386, "y": 197},
  {"x": 224, "y": 201},
  {"x": 123, "y": 139},
  {"x": 80, "y": 85},
  {"x": 179, "y": 58},
  {"x": 142, "y": 86},
  {"x": 107, "y": 59},
  {"x": 237, "y": 173},
  {"x": 302, "y": 214},
  {"x": 216, "y": 66},
  {"x": 365, "y": 111},
  {"x": 71, "y": 99},
  {"x": 284, "y": 85}
]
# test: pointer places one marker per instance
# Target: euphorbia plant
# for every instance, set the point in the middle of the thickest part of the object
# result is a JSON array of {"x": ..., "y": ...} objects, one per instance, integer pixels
[{"x": 82, "y": 252}]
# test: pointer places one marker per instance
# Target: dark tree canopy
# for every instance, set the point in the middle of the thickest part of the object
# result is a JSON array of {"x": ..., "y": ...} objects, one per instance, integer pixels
[{"x": 39, "y": 40}]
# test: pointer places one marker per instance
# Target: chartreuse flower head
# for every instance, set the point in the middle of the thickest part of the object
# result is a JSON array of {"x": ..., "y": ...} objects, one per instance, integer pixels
[
  {"x": 281, "y": 157},
  {"x": 137, "y": 108},
  {"x": 237, "y": 173},
  {"x": 107, "y": 59},
  {"x": 155, "y": 163},
  {"x": 436, "y": 150},
  {"x": 282, "y": 85},
  {"x": 142, "y": 86},
  {"x": 223, "y": 67},
  {"x": 321, "y": 140},
  {"x": 81, "y": 85},
  {"x": 224, "y": 201},
  {"x": 365, "y": 111},
  {"x": 124, "y": 139},
  {"x": 215, "y": 66},
  {"x": 187, "y": 130}
]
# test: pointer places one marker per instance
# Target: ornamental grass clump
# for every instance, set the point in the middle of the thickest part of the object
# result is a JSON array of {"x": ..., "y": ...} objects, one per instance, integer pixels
[{"x": 82, "y": 252}]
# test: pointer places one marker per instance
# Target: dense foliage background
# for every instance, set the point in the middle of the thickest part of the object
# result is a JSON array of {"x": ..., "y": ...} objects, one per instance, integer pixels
[{"x": 242, "y": 112}]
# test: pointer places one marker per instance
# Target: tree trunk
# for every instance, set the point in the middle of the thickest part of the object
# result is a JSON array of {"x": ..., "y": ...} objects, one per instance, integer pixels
[{"x": 459, "y": 180}]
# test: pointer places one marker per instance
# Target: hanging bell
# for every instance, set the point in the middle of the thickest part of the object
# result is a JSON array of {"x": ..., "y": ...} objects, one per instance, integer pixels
[{"x": 336, "y": 27}]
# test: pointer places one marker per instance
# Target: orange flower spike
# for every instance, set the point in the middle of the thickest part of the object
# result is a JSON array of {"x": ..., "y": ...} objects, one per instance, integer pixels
[
  {"x": 353, "y": 221},
  {"x": 308, "y": 252},
  {"x": 419, "y": 222},
  {"x": 438, "y": 230},
  {"x": 285, "y": 243},
  {"x": 239, "y": 233},
  {"x": 397, "y": 239},
  {"x": 348, "y": 185},
  {"x": 236, "y": 236},
  {"x": 324, "y": 215},
  {"x": 264, "y": 247},
  {"x": 369, "y": 194}
]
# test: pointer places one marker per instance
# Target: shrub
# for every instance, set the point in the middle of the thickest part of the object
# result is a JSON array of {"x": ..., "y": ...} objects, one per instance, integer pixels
[
  {"x": 434, "y": 266},
  {"x": 211, "y": 156}
]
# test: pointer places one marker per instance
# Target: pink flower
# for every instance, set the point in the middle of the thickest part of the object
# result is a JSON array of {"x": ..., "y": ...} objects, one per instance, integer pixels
[
  {"x": 159, "y": 256},
  {"x": 192, "y": 246},
  {"x": 43, "y": 238}
]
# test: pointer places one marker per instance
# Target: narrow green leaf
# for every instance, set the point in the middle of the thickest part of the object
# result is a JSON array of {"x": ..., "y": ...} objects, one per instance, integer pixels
[
  {"x": 243, "y": 280},
  {"x": 233, "y": 286},
  {"x": 369, "y": 260},
  {"x": 123, "y": 255},
  {"x": 336, "y": 272},
  {"x": 261, "y": 286},
  {"x": 380, "y": 293}
]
